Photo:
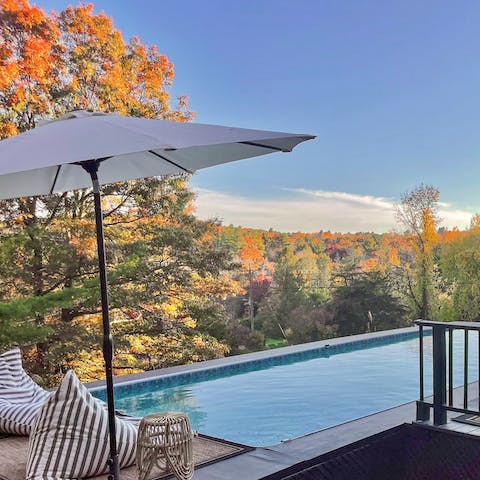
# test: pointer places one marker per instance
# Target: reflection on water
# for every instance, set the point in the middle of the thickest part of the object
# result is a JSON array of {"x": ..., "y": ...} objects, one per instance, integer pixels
[{"x": 179, "y": 399}]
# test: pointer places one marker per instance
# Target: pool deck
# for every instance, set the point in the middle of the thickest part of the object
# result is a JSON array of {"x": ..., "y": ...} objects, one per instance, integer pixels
[{"x": 454, "y": 426}]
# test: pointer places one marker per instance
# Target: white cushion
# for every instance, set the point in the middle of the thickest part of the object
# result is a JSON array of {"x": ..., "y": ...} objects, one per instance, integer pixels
[
  {"x": 70, "y": 437},
  {"x": 20, "y": 397}
]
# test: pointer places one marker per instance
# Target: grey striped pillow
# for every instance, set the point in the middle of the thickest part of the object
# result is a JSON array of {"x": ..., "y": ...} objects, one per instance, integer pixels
[
  {"x": 20, "y": 397},
  {"x": 70, "y": 437}
]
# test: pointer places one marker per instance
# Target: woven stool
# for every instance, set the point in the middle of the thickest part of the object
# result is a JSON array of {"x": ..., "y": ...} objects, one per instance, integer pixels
[{"x": 164, "y": 443}]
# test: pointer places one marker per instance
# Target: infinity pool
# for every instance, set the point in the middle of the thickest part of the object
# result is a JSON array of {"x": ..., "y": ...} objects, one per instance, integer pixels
[{"x": 271, "y": 401}]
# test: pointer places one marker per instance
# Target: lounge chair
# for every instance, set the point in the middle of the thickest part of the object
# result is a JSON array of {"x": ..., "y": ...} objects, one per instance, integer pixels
[{"x": 20, "y": 397}]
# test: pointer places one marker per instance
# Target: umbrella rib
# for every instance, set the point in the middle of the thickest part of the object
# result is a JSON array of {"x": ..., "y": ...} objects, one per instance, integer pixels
[
  {"x": 55, "y": 179},
  {"x": 253, "y": 144},
  {"x": 186, "y": 170}
]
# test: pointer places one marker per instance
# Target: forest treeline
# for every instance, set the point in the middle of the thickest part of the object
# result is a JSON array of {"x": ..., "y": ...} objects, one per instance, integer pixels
[
  {"x": 304, "y": 287},
  {"x": 182, "y": 289}
]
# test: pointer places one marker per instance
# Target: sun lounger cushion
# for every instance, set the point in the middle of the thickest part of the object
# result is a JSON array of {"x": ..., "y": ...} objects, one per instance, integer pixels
[
  {"x": 20, "y": 397},
  {"x": 70, "y": 437}
]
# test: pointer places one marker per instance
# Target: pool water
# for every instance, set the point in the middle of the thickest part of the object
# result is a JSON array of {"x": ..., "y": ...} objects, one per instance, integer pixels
[{"x": 277, "y": 402}]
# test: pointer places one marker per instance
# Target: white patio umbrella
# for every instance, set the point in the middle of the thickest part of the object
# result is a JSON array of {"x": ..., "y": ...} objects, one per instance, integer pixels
[{"x": 87, "y": 149}]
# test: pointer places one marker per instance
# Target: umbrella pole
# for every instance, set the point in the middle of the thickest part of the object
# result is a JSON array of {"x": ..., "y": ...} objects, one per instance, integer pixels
[{"x": 92, "y": 168}]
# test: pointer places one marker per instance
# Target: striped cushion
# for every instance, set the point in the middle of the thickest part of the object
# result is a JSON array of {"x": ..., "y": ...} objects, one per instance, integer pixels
[
  {"x": 20, "y": 397},
  {"x": 70, "y": 437}
]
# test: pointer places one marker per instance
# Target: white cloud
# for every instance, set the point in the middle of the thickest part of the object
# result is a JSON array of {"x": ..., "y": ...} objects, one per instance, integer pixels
[
  {"x": 311, "y": 211},
  {"x": 455, "y": 218},
  {"x": 368, "y": 200}
]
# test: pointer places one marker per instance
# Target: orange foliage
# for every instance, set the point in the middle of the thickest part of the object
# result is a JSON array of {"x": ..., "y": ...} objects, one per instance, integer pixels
[
  {"x": 250, "y": 255},
  {"x": 452, "y": 236},
  {"x": 77, "y": 59},
  {"x": 368, "y": 265},
  {"x": 393, "y": 257},
  {"x": 27, "y": 59},
  {"x": 85, "y": 246},
  {"x": 271, "y": 235}
]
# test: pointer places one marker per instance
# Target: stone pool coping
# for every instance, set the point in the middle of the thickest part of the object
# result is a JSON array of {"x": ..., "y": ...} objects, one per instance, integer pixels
[{"x": 193, "y": 370}]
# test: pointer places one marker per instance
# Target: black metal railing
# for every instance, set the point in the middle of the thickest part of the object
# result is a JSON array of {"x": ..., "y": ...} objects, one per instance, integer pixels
[{"x": 443, "y": 387}]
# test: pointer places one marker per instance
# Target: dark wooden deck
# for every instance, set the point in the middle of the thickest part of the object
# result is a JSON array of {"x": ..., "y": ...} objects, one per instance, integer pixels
[{"x": 407, "y": 452}]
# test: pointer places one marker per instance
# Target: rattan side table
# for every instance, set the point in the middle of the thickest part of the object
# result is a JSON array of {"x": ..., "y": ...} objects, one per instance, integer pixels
[{"x": 164, "y": 445}]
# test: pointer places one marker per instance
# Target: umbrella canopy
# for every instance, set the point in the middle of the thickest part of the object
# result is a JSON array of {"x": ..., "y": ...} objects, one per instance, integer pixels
[
  {"x": 87, "y": 149},
  {"x": 44, "y": 160}
]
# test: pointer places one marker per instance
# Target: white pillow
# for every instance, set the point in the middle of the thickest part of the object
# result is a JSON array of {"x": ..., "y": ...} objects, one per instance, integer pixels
[
  {"x": 20, "y": 397},
  {"x": 70, "y": 437}
]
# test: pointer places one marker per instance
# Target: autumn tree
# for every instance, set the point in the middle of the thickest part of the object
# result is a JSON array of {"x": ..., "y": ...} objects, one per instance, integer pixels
[
  {"x": 167, "y": 275},
  {"x": 77, "y": 59},
  {"x": 291, "y": 307},
  {"x": 460, "y": 266},
  {"x": 308, "y": 267},
  {"x": 167, "y": 282},
  {"x": 251, "y": 258},
  {"x": 418, "y": 214},
  {"x": 283, "y": 297},
  {"x": 475, "y": 223}
]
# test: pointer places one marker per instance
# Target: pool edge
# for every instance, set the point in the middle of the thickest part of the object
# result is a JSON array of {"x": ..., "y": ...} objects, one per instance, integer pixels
[{"x": 195, "y": 369}]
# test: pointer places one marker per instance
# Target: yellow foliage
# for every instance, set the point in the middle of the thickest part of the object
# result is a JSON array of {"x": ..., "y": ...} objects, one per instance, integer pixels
[
  {"x": 86, "y": 246},
  {"x": 88, "y": 365},
  {"x": 221, "y": 286},
  {"x": 189, "y": 322}
]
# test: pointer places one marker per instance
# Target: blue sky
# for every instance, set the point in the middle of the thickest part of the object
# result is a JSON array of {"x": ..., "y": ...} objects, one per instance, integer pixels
[{"x": 391, "y": 89}]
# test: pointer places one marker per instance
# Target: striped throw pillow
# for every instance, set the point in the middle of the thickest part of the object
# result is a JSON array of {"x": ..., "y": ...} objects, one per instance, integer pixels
[
  {"x": 70, "y": 437},
  {"x": 20, "y": 397}
]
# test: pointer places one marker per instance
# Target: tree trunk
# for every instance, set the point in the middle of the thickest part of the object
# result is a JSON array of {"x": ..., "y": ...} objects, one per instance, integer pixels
[{"x": 424, "y": 313}]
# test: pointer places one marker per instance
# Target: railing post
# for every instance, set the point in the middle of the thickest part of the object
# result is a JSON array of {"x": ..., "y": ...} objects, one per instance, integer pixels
[
  {"x": 439, "y": 375},
  {"x": 450, "y": 367},
  {"x": 423, "y": 410}
]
